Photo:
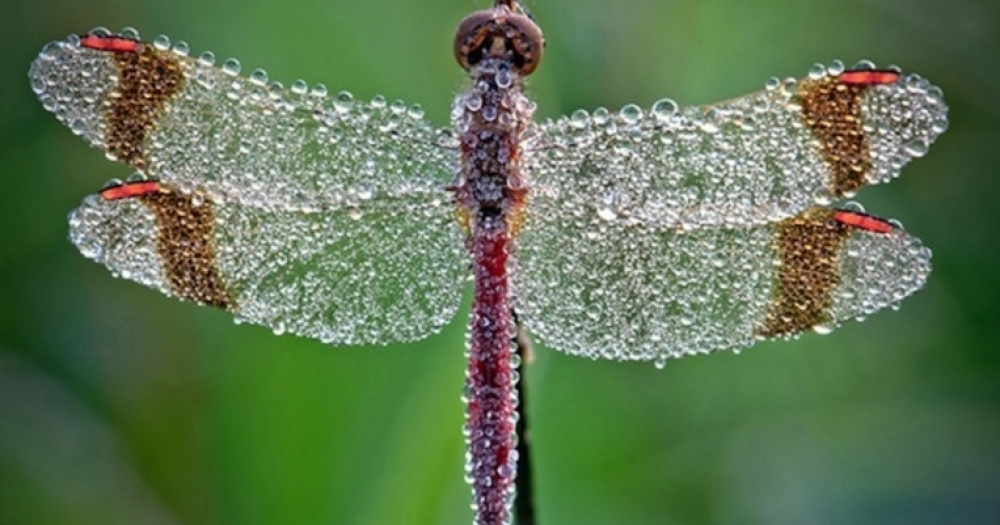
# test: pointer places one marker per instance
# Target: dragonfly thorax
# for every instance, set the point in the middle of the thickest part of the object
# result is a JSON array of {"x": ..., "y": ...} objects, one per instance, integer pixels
[
  {"x": 498, "y": 47},
  {"x": 490, "y": 119}
]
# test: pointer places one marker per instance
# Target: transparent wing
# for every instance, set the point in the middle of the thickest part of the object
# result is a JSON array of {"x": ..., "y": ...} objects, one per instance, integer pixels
[
  {"x": 393, "y": 272},
  {"x": 185, "y": 122},
  {"x": 310, "y": 214},
  {"x": 751, "y": 160},
  {"x": 598, "y": 289}
]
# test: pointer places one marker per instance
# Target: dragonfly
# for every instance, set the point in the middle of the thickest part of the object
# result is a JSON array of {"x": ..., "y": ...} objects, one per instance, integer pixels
[{"x": 647, "y": 234}]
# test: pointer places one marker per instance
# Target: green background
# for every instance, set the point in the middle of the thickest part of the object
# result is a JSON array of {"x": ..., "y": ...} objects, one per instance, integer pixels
[{"x": 118, "y": 405}]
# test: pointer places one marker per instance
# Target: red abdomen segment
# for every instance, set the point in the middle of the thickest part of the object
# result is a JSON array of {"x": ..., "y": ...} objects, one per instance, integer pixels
[{"x": 492, "y": 458}]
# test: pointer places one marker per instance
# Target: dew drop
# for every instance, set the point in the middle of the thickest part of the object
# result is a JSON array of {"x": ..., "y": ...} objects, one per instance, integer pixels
[
  {"x": 50, "y": 51},
  {"x": 415, "y": 112},
  {"x": 606, "y": 214},
  {"x": 318, "y": 91},
  {"x": 162, "y": 42},
  {"x": 506, "y": 471},
  {"x": 38, "y": 86},
  {"x": 817, "y": 71},
  {"x": 181, "y": 48},
  {"x": 664, "y": 109},
  {"x": 934, "y": 95},
  {"x": 343, "y": 102},
  {"x": 231, "y": 66},
  {"x": 789, "y": 87},
  {"x": 601, "y": 116},
  {"x": 630, "y": 114},
  {"x": 823, "y": 196},
  {"x": 709, "y": 122},
  {"x": 823, "y": 328},
  {"x": 853, "y": 206},
  {"x": 504, "y": 78},
  {"x": 864, "y": 64},
  {"x": 207, "y": 58},
  {"x": 79, "y": 127},
  {"x": 258, "y": 77},
  {"x": 90, "y": 250},
  {"x": 915, "y": 147},
  {"x": 112, "y": 183},
  {"x": 473, "y": 102},
  {"x": 489, "y": 113}
]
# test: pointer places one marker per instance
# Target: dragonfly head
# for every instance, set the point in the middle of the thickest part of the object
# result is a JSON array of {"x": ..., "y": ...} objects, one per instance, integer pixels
[{"x": 505, "y": 32}]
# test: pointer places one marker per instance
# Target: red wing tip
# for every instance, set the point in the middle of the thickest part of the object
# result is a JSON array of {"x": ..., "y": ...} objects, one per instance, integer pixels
[
  {"x": 869, "y": 77},
  {"x": 863, "y": 221},
  {"x": 130, "y": 189},
  {"x": 113, "y": 43}
]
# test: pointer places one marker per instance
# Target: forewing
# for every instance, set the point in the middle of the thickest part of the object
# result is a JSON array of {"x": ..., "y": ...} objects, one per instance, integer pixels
[
  {"x": 389, "y": 270},
  {"x": 192, "y": 125},
  {"x": 605, "y": 289},
  {"x": 751, "y": 160}
]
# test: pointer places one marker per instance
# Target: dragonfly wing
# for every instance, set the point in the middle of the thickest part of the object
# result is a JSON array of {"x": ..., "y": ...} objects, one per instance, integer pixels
[
  {"x": 751, "y": 160},
  {"x": 310, "y": 214},
  {"x": 192, "y": 125},
  {"x": 387, "y": 270},
  {"x": 628, "y": 291}
]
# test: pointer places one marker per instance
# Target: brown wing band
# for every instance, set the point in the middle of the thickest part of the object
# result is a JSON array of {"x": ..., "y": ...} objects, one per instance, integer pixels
[
  {"x": 184, "y": 240},
  {"x": 832, "y": 109},
  {"x": 146, "y": 81},
  {"x": 809, "y": 249}
]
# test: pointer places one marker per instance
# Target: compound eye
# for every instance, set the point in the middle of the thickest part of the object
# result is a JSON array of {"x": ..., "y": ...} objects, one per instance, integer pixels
[{"x": 498, "y": 33}]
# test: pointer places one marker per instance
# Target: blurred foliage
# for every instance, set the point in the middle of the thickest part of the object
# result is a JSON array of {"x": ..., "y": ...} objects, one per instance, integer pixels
[{"x": 120, "y": 406}]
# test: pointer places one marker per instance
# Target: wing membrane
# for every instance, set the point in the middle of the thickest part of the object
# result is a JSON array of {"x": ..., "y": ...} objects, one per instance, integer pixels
[
  {"x": 750, "y": 160},
  {"x": 604, "y": 290},
  {"x": 391, "y": 270},
  {"x": 240, "y": 139},
  {"x": 321, "y": 216}
]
